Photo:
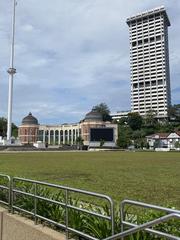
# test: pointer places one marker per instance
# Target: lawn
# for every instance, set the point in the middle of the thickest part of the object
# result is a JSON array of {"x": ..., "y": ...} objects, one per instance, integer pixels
[{"x": 152, "y": 177}]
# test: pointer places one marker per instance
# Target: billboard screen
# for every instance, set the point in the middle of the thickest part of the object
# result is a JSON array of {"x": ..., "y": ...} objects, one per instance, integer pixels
[{"x": 98, "y": 134}]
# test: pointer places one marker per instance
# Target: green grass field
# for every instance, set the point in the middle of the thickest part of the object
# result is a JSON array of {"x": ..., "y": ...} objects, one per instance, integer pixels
[{"x": 146, "y": 176}]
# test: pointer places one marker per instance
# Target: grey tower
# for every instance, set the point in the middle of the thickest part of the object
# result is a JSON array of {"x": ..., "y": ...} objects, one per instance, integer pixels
[{"x": 149, "y": 62}]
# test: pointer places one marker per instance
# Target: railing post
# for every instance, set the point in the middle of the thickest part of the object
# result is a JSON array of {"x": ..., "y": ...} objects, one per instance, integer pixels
[
  {"x": 112, "y": 218},
  {"x": 9, "y": 193},
  {"x": 5, "y": 185},
  {"x": 67, "y": 214},
  {"x": 12, "y": 195},
  {"x": 122, "y": 216},
  {"x": 35, "y": 203}
]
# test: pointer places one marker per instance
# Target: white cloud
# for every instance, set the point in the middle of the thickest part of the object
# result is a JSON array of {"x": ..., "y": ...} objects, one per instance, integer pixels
[
  {"x": 27, "y": 28},
  {"x": 71, "y": 55}
]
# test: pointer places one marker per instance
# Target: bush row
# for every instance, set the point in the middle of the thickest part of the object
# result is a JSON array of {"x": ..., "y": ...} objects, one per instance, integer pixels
[{"x": 84, "y": 222}]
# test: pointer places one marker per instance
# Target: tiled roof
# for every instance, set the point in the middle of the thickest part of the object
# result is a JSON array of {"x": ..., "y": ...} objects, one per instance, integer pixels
[
  {"x": 162, "y": 135},
  {"x": 159, "y": 135}
]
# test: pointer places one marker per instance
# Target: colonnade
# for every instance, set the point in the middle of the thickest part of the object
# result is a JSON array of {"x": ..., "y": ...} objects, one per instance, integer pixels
[{"x": 59, "y": 136}]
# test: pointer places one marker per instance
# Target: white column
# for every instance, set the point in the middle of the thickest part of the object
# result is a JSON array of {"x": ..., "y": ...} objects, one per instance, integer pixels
[
  {"x": 59, "y": 135},
  {"x": 75, "y": 136},
  {"x": 63, "y": 136},
  {"x": 54, "y": 137},
  {"x": 44, "y": 136},
  {"x": 49, "y": 137}
]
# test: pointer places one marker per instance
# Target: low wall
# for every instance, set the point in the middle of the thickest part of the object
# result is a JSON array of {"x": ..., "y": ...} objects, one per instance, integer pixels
[
  {"x": 15, "y": 227},
  {"x": 162, "y": 149}
]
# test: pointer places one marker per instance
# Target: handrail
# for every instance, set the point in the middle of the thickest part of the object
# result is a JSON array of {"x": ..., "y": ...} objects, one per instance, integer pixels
[
  {"x": 10, "y": 186},
  {"x": 154, "y": 232},
  {"x": 148, "y": 206},
  {"x": 151, "y": 206},
  {"x": 65, "y": 203},
  {"x": 7, "y": 188},
  {"x": 144, "y": 226}
]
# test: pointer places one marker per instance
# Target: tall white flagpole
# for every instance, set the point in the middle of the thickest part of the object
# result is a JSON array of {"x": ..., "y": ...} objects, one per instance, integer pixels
[{"x": 11, "y": 72}]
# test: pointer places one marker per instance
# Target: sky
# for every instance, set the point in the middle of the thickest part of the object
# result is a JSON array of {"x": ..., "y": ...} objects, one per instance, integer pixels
[{"x": 71, "y": 55}]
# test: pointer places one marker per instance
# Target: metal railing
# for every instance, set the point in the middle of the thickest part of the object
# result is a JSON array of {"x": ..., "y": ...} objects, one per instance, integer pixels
[
  {"x": 13, "y": 188},
  {"x": 168, "y": 214},
  {"x": 146, "y": 226},
  {"x": 66, "y": 204},
  {"x": 5, "y": 187}
]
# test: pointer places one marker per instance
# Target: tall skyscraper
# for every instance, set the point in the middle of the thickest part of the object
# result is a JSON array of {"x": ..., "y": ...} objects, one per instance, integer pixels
[{"x": 149, "y": 62}]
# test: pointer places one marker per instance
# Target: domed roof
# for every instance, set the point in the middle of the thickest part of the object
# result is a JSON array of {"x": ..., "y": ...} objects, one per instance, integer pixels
[
  {"x": 94, "y": 116},
  {"x": 30, "y": 120}
]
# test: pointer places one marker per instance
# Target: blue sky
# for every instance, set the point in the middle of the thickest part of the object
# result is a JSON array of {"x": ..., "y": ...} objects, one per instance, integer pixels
[{"x": 73, "y": 54}]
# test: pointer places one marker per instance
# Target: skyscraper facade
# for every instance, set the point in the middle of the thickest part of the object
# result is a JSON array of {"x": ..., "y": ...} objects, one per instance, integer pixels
[{"x": 149, "y": 62}]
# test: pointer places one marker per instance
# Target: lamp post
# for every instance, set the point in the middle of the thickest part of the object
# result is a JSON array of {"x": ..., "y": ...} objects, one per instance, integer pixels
[{"x": 11, "y": 71}]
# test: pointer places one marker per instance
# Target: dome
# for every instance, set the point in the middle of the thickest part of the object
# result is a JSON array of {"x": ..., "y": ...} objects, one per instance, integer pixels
[
  {"x": 93, "y": 116},
  {"x": 30, "y": 120}
]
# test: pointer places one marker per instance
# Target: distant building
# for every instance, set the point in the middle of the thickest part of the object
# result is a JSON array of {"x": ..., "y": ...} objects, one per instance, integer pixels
[
  {"x": 30, "y": 131},
  {"x": 94, "y": 130},
  {"x": 120, "y": 114},
  {"x": 164, "y": 140},
  {"x": 149, "y": 62}
]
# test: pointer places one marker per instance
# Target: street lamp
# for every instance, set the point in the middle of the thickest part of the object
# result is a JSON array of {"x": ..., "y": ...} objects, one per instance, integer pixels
[{"x": 11, "y": 71}]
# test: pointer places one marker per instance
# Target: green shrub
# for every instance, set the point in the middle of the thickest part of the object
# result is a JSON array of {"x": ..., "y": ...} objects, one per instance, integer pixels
[
  {"x": 4, "y": 193},
  {"x": 171, "y": 227},
  {"x": 82, "y": 221}
]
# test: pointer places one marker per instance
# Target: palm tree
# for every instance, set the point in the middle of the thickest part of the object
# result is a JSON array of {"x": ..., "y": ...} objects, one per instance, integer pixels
[{"x": 79, "y": 142}]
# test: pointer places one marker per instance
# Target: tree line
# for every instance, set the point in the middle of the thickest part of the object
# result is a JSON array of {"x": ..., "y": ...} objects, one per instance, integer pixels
[
  {"x": 3, "y": 128},
  {"x": 133, "y": 129}
]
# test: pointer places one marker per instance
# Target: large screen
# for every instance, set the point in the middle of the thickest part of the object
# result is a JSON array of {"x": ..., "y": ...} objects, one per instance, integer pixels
[{"x": 98, "y": 134}]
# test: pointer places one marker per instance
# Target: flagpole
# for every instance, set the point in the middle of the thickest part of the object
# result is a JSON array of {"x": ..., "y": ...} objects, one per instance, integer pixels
[{"x": 11, "y": 71}]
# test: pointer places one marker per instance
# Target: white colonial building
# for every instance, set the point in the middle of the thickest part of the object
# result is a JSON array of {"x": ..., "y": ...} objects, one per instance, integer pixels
[
  {"x": 30, "y": 131},
  {"x": 59, "y": 134},
  {"x": 164, "y": 140}
]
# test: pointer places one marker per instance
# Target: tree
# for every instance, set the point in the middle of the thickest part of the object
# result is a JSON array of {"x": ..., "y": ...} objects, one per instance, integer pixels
[
  {"x": 3, "y": 128},
  {"x": 177, "y": 145},
  {"x": 123, "y": 121},
  {"x": 134, "y": 120},
  {"x": 150, "y": 118},
  {"x": 14, "y": 131},
  {"x": 166, "y": 127},
  {"x": 174, "y": 112},
  {"x": 124, "y": 136},
  {"x": 138, "y": 134},
  {"x": 102, "y": 142},
  {"x": 104, "y": 110},
  {"x": 79, "y": 142},
  {"x": 139, "y": 138}
]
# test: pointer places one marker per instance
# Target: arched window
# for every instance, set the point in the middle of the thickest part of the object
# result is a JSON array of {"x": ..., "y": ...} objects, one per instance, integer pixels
[
  {"x": 61, "y": 136},
  {"x": 52, "y": 137},
  {"x": 66, "y": 136},
  {"x": 40, "y": 135},
  {"x": 46, "y": 136},
  {"x": 56, "y": 137},
  {"x": 74, "y": 135},
  {"x": 70, "y": 136}
]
